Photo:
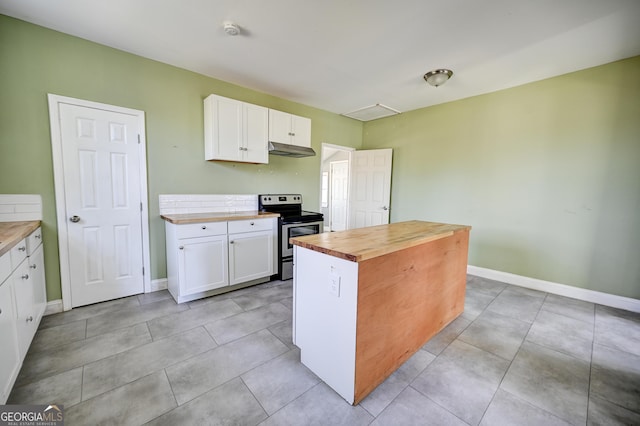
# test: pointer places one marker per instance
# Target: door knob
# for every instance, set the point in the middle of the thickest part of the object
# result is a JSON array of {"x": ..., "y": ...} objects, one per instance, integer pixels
[
  {"x": 75, "y": 219},
  {"x": 385, "y": 208}
]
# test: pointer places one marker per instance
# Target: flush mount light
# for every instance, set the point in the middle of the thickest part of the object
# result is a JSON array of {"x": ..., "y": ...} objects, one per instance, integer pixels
[
  {"x": 438, "y": 77},
  {"x": 231, "y": 28}
]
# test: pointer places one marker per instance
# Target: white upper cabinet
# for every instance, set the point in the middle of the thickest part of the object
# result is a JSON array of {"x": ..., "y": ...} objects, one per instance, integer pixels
[
  {"x": 235, "y": 130},
  {"x": 290, "y": 129}
]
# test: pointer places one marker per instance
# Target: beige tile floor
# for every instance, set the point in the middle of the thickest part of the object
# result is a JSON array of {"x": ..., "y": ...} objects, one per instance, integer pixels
[{"x": 515, "y": 357}]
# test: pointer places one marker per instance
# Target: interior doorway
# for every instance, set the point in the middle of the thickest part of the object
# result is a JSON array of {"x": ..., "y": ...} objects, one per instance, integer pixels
[
  {"x": 355, "y": 187},
  {"x": 334, "y": 180}
]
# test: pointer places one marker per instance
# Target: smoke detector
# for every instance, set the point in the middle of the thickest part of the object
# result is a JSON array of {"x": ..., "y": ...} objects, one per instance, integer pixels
[{"x": 231, "y": 28}]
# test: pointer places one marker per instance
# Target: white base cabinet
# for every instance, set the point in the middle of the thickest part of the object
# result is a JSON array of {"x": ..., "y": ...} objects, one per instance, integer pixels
[
  {"x": 22, "y": 303},
  {"x": 251, "y": 245},
  {"x": 9, "y": 358},
  {"x": 206, "y": 258},
  {"x": 202, "y": 264}
]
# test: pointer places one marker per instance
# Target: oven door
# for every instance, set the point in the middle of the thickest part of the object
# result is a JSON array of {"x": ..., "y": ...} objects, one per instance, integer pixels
[{"x": 290, "y": 230}]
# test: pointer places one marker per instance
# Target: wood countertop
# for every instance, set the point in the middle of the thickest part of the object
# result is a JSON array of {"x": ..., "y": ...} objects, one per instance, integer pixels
[
  {"x": 185, "y": 218},
  {"x": 362, "y": 244},
  {"x": 11, "y": 233}
]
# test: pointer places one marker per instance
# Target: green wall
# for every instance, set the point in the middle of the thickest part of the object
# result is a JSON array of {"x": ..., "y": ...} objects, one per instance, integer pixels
[
  {"x": 35, "y": 61},
  {"x": 548, "y": 175}
]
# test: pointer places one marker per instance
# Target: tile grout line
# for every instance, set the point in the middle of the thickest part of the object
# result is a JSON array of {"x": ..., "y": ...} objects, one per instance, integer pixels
[{"x": 506, "y": 371}]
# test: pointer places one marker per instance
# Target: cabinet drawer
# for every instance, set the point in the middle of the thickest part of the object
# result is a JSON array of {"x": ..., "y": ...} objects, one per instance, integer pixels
[
  {"x": 5, "y": 267},
  {"x": 18, "y": 254},
  {"x": 33, "y": 241},
  {"x": 239, "y": 226},
  {"x": 194, "y": 230}
]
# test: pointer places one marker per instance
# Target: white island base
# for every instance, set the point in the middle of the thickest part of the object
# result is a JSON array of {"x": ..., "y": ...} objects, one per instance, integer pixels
[{"x": 365, "y": 300}]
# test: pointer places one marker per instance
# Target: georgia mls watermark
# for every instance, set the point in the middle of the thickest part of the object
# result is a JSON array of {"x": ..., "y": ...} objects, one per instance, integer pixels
[{"x": 31, "y": 415}]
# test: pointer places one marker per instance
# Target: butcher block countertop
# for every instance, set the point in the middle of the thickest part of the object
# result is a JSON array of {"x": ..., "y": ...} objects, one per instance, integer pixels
[
  {"x": 11, "y": 233},
  {"x": 361, "y": 244},
  {"x": 185, "y": 218}
]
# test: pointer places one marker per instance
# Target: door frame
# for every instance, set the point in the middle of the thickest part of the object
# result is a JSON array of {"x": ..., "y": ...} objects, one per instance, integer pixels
[
  {"x": 58, "y": 180},
  {"x": 323, "y": 157}
]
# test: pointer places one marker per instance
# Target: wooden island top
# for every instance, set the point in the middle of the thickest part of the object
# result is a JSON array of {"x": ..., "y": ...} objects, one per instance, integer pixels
[{"x": 362, "y": 244}]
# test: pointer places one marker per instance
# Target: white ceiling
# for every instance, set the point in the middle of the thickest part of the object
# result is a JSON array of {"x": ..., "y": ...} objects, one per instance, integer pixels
[{"x": 343, "y": 55}]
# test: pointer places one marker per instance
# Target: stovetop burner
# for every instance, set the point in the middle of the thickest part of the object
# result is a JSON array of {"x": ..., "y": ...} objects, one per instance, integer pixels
[{"x": 289, "y": 206}]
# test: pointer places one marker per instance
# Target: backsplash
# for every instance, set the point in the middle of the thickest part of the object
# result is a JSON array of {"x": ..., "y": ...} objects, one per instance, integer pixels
[
  {"x": 22, "y": 207},
  {"x": 207, "y": 203}
]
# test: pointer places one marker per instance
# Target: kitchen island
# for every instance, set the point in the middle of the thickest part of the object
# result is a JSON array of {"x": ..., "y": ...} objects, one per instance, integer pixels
[{"x": 367, "y": 299}]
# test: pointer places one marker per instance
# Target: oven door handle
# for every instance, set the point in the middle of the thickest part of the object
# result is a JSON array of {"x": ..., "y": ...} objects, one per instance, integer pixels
[{"x": 295, "y": 223}]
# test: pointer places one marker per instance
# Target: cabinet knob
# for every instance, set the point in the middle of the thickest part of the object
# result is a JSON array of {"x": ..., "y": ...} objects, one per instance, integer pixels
[
  {"x": 23, "y": 248},
  {"x": 181, "y": 247},
  {"x": 204, "y": 227},
  {"x": 231, "y": 242},
  {"x": 38, "y": 236},
  {"x": 251, "y": 223},
  {"x": 30, "y": 319},
  {"x": 33, "y": 266},
  {"x": 25, "y": 277}
]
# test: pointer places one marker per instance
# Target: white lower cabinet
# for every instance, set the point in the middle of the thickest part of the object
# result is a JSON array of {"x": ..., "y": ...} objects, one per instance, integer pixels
[
  {"x": 22, "y": 303},
  {"x": 26, "y": 322},
  {"x": 204, "y": 258},
  {"x": 9, "y": 358},
  {"x": 202, "y": 264},
  {"x": 250, "y": 256}
]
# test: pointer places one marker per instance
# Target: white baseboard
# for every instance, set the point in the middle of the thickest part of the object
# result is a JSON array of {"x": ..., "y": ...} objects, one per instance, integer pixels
[
  {"x": 53, "y": 307},
  {"x": 159, "y": 284},
  {"x": 592, "y": 296}
]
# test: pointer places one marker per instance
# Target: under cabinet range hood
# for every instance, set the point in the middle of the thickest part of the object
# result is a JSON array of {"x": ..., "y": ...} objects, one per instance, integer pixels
[{"x": 286, "y": 150}]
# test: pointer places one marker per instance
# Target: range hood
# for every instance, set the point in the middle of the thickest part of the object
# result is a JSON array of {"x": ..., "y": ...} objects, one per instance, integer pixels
[{"x": 286, "y": 150}]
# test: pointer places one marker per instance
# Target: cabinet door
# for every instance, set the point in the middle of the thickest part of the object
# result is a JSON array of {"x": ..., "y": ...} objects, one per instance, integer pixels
[
  {"x": 279, "y": 126},
  {"x": 301, "y": 129},
  {"x": 9, "y": 361},
  {"x": 223, "y": 129},
  {"x": 38, "y": 285},
  {"x": 250, "y": 256},
  {"x": 256, "y": 134},
  {"x": 25, "y": 318},
  {"x": 202, "y": 264}
]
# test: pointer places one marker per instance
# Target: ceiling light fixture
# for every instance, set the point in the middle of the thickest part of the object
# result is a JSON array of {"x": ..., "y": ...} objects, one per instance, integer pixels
[
  {"x": 438, "y": 77},
  {"x": 231, "y": 28}
]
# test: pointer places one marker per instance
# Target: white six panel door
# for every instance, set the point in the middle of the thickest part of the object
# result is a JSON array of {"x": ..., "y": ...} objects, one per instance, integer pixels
[
  {"x": 100, "y": 157},
  {"x": 371, "y": 187}
]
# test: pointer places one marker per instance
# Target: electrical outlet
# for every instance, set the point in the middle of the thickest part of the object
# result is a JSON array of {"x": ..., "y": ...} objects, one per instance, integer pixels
[{"x": 334, "y": 284}]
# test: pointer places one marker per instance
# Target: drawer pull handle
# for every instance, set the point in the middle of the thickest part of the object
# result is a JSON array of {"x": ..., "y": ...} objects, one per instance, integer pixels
[
  {"x": 23, "y": 248},
  {"x": 181, "y": 247},
  {"x": 33, "y": 266},
  {"x": 25, "y": 277},
  {"x": 30, "y": 319}
]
